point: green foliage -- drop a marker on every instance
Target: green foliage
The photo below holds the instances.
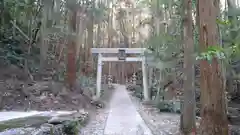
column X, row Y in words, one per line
column 14, row 41
column 10, row 50
column 86, row 81
column 100, row 13
column 21, row 10
column 97, row 9
column 223, row 22
column 137, row 91
column 212, row 52
column 165, row 106
column 165, row 47
column 231, row 47
column 219, row 53
column 162, row 48
column 235, row 50
column 71, row 127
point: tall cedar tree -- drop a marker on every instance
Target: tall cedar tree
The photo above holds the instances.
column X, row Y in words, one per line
column 188, row 118
column 71, row 54
column 213, row 108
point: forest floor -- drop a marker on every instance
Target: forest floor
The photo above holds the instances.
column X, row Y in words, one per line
column 159, row 123
column 21, row 94
column 162, row 123
column 39, row 96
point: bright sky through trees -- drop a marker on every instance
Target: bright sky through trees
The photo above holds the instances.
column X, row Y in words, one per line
column 223, row 3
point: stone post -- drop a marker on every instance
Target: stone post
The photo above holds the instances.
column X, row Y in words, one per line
column 134, row 79
column 109, row 81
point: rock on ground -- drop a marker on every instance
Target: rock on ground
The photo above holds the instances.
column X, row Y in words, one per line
column 60, row 125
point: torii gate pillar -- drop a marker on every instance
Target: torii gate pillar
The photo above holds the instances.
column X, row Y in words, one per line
column 99, row 75
column 145, row 84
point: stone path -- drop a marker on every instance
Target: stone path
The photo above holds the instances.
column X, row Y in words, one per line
column 123, row 117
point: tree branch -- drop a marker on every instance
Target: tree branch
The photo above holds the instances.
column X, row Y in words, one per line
column 25, row 35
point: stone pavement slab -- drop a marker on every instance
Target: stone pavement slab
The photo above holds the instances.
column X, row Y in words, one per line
column 123, row 118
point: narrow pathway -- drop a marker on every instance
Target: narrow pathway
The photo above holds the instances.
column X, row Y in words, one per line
column 123, row 117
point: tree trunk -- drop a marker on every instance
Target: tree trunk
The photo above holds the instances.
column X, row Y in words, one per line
column 90, row 37
column 110, row 39
column 79, row 48
column 44, row 46
column 71, row 53
column 233, row 34
column 57, row 12
column 71, row 65
column 47, row 22
column 98, row 36
column 213, row 108
column 189, row 116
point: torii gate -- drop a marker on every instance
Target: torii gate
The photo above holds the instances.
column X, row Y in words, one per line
column 121, row 58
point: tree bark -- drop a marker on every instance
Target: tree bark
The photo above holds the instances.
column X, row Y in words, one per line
column 213, row 108
column 189, row 115
column 110, row 40
column 43, row 33
column 98, row 36
column 90, row 36
column 71, row 65
column 71, row 53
